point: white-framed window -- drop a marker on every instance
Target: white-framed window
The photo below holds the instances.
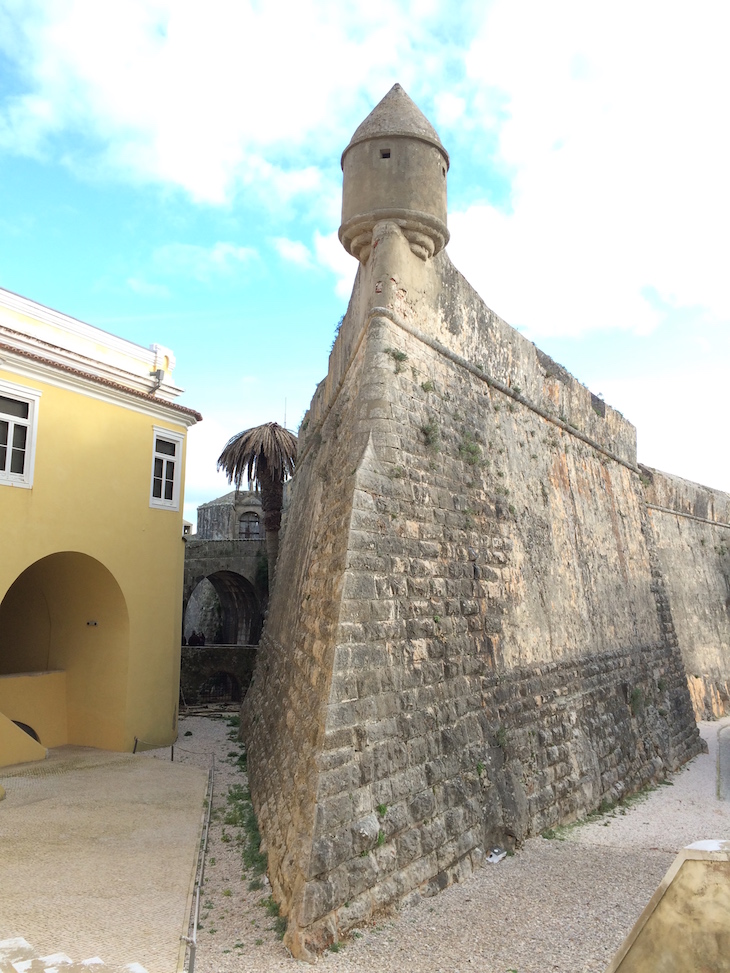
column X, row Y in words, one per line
column 167, row 449
column 18, row 428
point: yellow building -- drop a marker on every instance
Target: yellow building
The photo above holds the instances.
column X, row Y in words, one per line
column 92, row 453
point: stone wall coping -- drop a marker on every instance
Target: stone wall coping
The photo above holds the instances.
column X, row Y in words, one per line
column 682, row 513
column 390, row 315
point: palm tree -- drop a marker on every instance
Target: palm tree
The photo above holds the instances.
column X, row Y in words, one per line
column 266, row 455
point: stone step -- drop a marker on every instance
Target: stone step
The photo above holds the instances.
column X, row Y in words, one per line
column 18, row 956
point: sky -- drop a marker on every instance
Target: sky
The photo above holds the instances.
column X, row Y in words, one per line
column 170, row 172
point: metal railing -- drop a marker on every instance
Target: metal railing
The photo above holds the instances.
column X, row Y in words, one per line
column 192, row 938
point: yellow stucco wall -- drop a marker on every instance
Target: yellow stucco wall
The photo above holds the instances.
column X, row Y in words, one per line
column 37, row 699
column 84, row 545
column 16, row 747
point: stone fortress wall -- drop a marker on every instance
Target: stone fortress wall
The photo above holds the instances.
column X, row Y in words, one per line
column 472, row 635
column 692, row 529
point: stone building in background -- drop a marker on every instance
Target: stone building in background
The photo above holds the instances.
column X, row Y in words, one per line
column 482, row 601
column 236, row 516
column 224, row 598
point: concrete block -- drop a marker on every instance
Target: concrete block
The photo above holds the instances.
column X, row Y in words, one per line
column 686, row 925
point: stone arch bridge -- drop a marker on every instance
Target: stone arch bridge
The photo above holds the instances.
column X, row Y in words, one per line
column 233, row 568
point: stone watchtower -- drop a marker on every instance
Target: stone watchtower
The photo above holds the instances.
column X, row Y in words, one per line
column 469, row 639
column 395, row 169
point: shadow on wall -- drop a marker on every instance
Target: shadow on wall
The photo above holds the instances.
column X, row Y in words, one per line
column 215, row 674
column 66, row 612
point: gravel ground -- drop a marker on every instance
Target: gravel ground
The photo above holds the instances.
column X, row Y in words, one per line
column 564, row 904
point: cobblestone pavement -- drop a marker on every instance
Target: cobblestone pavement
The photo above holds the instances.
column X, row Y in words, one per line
column 97, row 858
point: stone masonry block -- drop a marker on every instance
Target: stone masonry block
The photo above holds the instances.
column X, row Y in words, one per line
column 329, row 852
column 339, row 780
column 318, row 900
column 382, row 730
column 407, row 782
column 355, row 912
column 359, row 585
column 394, row 819
column 362, row 873
column 422, row 807
column 419, row 871
column 365, row 833
column 332, row 813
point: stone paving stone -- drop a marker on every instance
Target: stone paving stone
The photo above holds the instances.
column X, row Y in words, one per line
column 18, row 956
column 97, row 859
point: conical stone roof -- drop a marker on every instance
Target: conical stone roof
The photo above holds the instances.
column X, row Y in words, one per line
column 396, row 115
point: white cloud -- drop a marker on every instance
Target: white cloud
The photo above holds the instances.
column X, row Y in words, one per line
column 205, row 100
column 26, row 123
column 669, row 435
column 146, row 289
column 608, row 123
column 202, row 483
column 618, row 164
column 200, row 262
column 294, row 251
column 449, row 109
column 238, row 403
column 331, row 254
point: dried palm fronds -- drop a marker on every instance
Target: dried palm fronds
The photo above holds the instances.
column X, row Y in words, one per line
column 264, row 453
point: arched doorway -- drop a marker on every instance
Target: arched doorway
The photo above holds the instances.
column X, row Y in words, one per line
column 221, row 687
column 65, row 617
column 226, row 608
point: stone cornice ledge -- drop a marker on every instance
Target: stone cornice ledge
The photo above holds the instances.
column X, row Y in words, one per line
column 682, row 513
column 65, row 376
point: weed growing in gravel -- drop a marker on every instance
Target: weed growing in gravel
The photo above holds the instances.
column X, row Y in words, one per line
column 334, row 947
column 555, row 834
column 606, row 809
column 272, row 907
column 241, row 814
